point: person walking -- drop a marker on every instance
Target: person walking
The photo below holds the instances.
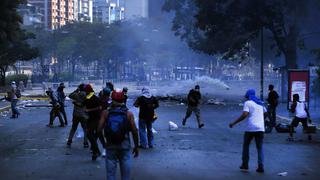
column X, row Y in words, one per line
column 61, row 100
column 193, row 99
column 301, row 115
column 55, row 110
column 272, row 107
column 125, row 91
column 253, row 114
column 146, row 104
column 117, row 123
column 93, row 108
column 79, row 115
column 13, row 95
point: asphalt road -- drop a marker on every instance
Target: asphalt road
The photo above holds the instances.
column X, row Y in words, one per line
column 30, row 150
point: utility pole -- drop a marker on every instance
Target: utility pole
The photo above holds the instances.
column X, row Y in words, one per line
column 261, row 66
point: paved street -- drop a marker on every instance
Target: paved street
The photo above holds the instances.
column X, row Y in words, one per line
column 30, row 150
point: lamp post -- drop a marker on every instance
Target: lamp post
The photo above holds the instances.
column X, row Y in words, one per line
column 261, row 65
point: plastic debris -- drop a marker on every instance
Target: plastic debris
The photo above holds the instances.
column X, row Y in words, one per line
column 79, row 134
column 283, row 174
column 172, row 126
column 216, row 102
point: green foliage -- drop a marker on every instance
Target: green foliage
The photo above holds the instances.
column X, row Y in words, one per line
column 17, row 78
column 14, row 45
column 225, row 27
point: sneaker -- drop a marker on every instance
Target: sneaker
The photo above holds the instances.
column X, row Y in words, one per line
column 50, row 125
column 151, row 146
column 201, row 125
column 244, row 167
column 61, row 125
column 94, row 157
column 69, row 142
column 260, row 169
column 104, row 153
column 183, row 122
column 66, row 123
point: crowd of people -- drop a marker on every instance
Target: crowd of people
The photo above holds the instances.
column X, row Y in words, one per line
column 105, row 118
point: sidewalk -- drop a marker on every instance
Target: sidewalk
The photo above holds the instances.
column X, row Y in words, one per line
column 4, row 106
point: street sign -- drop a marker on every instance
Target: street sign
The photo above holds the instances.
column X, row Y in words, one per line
column 299, row 83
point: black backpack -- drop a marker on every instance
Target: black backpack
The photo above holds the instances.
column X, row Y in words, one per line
column 117, row 125
column 18, row 93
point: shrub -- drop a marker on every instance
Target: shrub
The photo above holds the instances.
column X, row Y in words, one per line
column 17, row 78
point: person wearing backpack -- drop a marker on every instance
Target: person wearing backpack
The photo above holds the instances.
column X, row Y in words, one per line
column 117, row 122
column 301, row 115
column 61, row 100
column 13, row 95
column 146, row 104
column 79, row 115
column 55, row 111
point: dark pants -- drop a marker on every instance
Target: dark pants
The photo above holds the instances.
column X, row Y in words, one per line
column 145, row 139
column 248, row 136
column 55, row 112
column 196, row 111
column 63, row 111
column 272, row 115
column 93, row 136
column 15, row 112
column 295, row 123
column 75, row 122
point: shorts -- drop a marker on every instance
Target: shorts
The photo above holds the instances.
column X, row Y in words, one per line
column 296, row 120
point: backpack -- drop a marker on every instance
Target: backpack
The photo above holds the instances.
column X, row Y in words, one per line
column 116, row 126
column 148, row 106
column 18, row 93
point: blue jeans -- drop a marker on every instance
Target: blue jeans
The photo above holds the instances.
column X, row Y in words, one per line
column 14, row 107
column 113, row 156
column 145, row 139
column 248, row 136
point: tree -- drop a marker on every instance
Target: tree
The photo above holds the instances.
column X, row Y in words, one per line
column 225, row 27
column 14, row 44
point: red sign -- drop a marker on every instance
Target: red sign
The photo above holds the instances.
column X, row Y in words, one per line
column 298, row 84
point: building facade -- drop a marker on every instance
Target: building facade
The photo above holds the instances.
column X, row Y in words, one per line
column 85, row 10
column 53, row 13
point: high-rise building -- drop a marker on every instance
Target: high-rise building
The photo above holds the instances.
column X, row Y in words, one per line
column 116, row 10
column 69, row 10
column 100, row 11
column 55, row 13
column 75, row 10
column 137, row 9
column 85, row 10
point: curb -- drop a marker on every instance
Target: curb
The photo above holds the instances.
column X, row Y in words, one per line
column 5, row 108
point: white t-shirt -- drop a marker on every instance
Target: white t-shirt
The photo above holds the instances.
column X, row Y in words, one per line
column 300, row 110
column 255, row 120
